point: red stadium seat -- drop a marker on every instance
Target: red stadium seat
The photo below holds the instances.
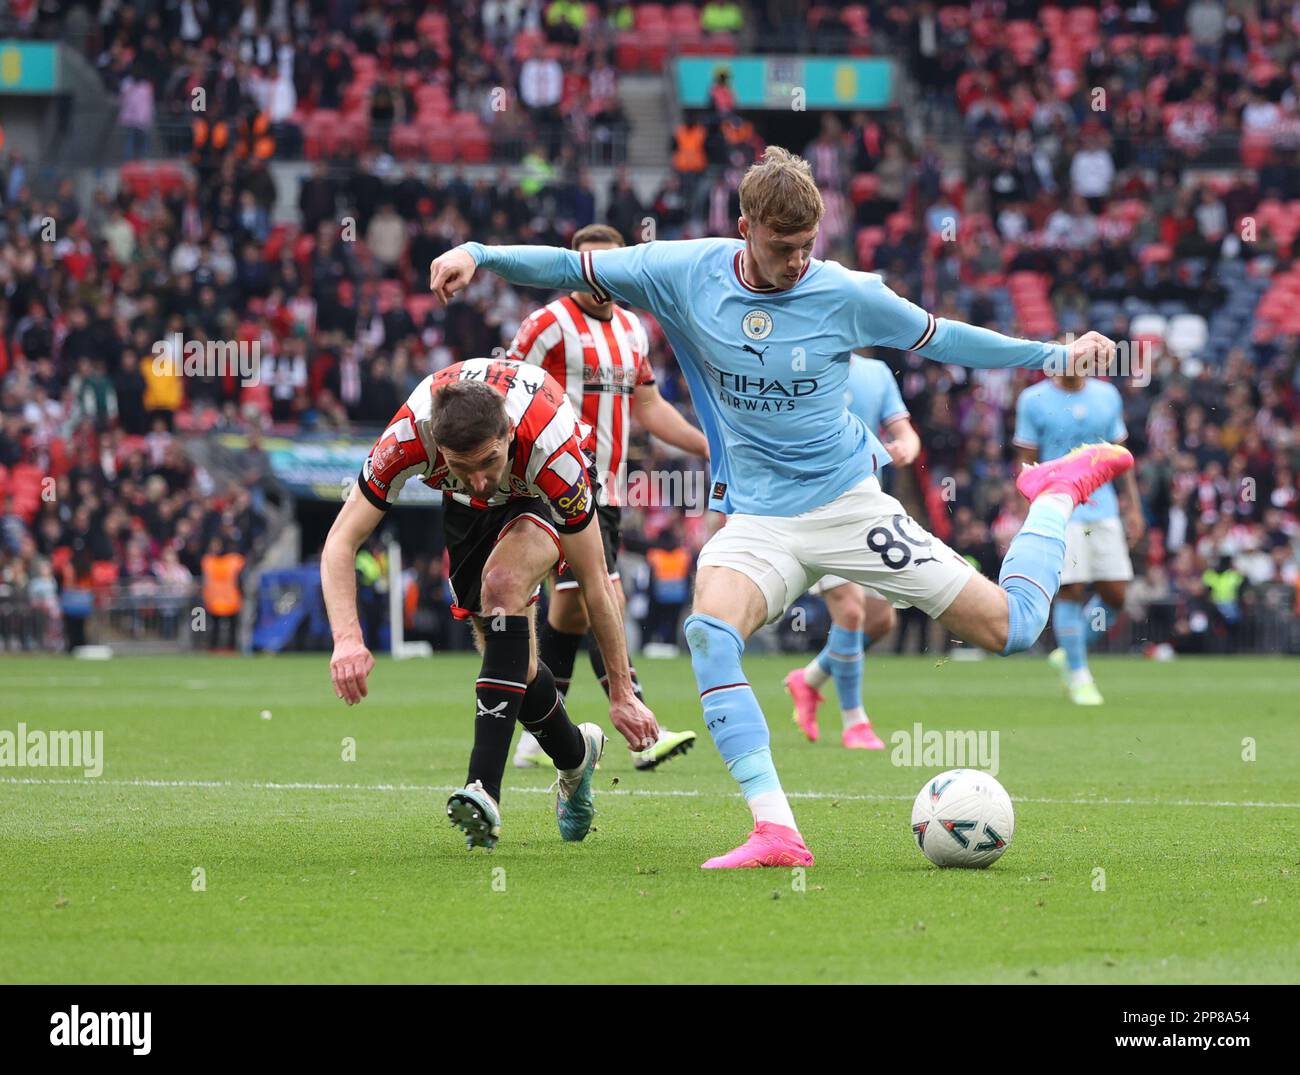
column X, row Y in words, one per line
column 529, row 43
column 655, row 46
column 60, row 557
column 1081, row 19
column 418, row 306
column 404, row 141
column 476, row 150
column 898, row 224
column 431, row 24
column 438, row 146
column 867, row 241
column 650, row 16
column 26, row 483
column 1256, row 150
column 137, row 177
column 684, row 17
column 720, row 44
column 431, row 100
column 865, row 186
column 627, row 51
column 103, row 574
column 1156, row 254
column 1155, row 45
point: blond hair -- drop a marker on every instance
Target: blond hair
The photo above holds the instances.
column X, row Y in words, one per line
column 597, row 233
column 780, row 193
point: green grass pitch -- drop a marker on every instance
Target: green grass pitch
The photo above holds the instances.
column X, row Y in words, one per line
column 320, row 869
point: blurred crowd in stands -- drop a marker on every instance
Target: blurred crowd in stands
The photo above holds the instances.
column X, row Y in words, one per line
column 1130, row 168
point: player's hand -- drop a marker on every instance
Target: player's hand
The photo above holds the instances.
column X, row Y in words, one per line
column 349, row 667
column 902, row 454
column 450, row 272
column 1091, row 353
column 638, row 725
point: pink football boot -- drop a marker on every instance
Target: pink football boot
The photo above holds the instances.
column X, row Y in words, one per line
column 769, row 844
column 806, row 701
column 862, row 736
column 1078, row 474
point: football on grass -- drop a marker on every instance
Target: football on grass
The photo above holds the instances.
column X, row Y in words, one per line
column 963, row 818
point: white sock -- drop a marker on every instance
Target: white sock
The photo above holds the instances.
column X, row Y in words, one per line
column 1081, row 675
column 772, row 806
column 814, row 675
column 1062, row 503
column 850, row 717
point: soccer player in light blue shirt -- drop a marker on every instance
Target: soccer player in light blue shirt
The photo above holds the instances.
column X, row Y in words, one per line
column 763, row 333
column 857, row 618
column 1052, row 417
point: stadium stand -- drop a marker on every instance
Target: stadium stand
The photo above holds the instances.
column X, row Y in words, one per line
column 1090, row 174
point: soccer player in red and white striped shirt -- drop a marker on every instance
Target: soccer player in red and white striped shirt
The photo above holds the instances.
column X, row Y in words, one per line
column 600, row 355
column 501, row 442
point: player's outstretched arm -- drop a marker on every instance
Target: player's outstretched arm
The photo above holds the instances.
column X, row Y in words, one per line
column 529, row 266
column 982, row 348
column 586, row 557
column 638, row 275
column 352, row 661
column 886, row 319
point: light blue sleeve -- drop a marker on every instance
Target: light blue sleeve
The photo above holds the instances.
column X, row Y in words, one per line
column 968, row 345
column 1026, row 434
column 530, row 266
column 885, row 319
column 1118, row 431
column 882, row 318
column 645, row 275
column 891, row 399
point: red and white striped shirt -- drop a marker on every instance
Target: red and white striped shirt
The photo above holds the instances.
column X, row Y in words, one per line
column 599, row 365
column 549, row 456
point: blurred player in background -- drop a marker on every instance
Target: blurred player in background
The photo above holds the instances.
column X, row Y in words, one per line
column 1052, row 417
column 600, row 355
column 501, row 443
column 858, row 616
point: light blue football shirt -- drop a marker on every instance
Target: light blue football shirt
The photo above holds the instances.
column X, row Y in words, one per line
column 767, row 369
column 1055, row 421
column 873, row 394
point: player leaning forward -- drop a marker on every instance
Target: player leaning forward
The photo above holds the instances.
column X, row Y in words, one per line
column 763, row 333
column 501, row 441
column 600, row 355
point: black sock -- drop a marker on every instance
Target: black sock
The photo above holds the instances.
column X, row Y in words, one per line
column 499, row 696
column 558, row 650
column 598, row 666
column 544, row 715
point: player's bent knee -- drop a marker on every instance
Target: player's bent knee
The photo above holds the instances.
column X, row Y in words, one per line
column 849, row 614
column 878, row 620
column 503, row 590
column 981, row 615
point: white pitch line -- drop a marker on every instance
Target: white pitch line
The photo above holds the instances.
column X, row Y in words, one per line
column 657, row 793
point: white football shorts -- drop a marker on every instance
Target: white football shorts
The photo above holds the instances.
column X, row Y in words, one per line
column 1096, row 552
column 861, row 536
